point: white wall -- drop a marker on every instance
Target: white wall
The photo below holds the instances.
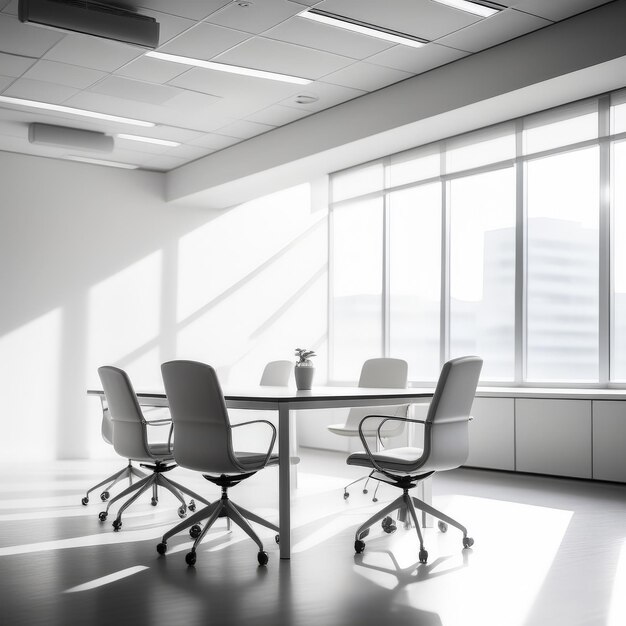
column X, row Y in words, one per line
column 95, row 268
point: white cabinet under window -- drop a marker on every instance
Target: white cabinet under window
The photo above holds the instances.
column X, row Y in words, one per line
column 609, row 440
column 553, row 437
column 492, row 434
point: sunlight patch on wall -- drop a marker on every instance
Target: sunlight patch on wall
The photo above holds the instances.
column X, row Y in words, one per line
column 29, row 371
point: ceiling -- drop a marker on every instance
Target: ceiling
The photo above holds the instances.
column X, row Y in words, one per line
column 206, row 110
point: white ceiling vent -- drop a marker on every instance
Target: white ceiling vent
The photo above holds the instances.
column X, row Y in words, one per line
column 65, row 137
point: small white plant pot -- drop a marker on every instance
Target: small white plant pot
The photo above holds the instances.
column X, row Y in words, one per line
column 304, row 376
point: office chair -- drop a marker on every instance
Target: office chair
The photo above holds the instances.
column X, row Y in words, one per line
column 276, row 374
column 446, row 447
column 385, row 373
column 127, row 472
column 130, row 439
column 204, row 443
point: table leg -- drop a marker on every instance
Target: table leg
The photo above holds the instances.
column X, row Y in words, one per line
column 284, row 482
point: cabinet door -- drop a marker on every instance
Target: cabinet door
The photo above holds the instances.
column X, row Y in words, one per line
column 553, row 437
column 492, row 434
column 609, row 440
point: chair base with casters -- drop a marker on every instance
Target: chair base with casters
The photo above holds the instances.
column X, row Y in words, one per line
column 127, row 472
column 153, row 481
column 406, row 506
column 224, row 507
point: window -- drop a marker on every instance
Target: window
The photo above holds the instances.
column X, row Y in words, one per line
column 618, row 347
column 357, row 250
column 482, row 270
column 562, row 274
column 415, row 278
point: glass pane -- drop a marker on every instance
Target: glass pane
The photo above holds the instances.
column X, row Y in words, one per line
column 560, row 127
column 618, row 347
column 357, row 181
column 357, row 256
column 479, row 149
column 482, row 271
column 562, row 271
column 618, row 118
column 408, row 167
column 415, row 279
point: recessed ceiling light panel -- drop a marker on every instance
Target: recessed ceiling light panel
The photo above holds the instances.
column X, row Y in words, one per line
column 159, row 142
column 125, row 166
column 476, row 8
column 363, row 28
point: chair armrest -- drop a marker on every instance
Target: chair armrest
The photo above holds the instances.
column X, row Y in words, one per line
column 271, row 446
column 163, row 422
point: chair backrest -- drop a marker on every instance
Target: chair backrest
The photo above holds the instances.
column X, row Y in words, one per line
column 129, row 426
column 382, row 373
column 202, row 432
column 276, row 374
column 446, row 436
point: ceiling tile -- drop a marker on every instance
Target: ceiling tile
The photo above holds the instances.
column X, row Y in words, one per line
column 556, row 9
column 5, row 81
column 93, row 52
column 4, row 6
column 256, row 17
column 12, row 65
column 25, row 39
column 214, row 142
column 152, row 70
column 420, row 18
column 192, row 9
column 64, row 74
column 284, row 58
column 366, row 76
column 325, row 37
column 127, row 88
column 243, row 129
column 163, row 162
column 327, row 96
column 204, row 41
column 38, row 90
column 278, row 115
column 494, row 30
column 417, row 60
column 187, row 152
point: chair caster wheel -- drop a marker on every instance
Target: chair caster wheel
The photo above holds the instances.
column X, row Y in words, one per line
column 277, row 538
column 182, row 511
column 374, row 499
column 190, row 558
column 117, row 524
column 359, row 546
column 388, row 525
column 346, row 495
column 443, row 527
column 154, row 501
column 102, row 516
column 192, row 506
column 468, row 542
column 364, row 490
column 162, row 548
column 104, row 496
column 262, row 558
column 423, row 556
column 194, row 531
column 85, row 501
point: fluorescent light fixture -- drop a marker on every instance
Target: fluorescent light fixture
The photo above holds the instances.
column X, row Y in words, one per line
column 124, row 166
column 232, row 69
column 35, row 104
column 477, row 8
column 159, row 142
column 363, row 28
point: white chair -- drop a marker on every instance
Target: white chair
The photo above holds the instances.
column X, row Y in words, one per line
column 204, row 443
column 276, row 374
column 445, row 447
column 127, row 472
column 130, row 440
column 380, row 373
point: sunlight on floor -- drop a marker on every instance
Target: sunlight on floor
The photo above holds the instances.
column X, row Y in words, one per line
column 105, row 580
column 617, row 612
column 503, row 531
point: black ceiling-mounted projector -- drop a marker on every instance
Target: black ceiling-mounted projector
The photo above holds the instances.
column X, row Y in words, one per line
column 92, row 18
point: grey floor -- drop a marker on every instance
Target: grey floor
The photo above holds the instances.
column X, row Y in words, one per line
column 548, row 552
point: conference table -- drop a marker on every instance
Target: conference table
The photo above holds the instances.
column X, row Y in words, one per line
column 286, row 401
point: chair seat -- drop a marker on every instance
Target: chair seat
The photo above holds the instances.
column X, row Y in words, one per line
column 346, row 431
column 255, row 460
column 397, row 459
column 160, row 452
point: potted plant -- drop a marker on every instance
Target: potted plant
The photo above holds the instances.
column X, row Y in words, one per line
column 304, row 368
